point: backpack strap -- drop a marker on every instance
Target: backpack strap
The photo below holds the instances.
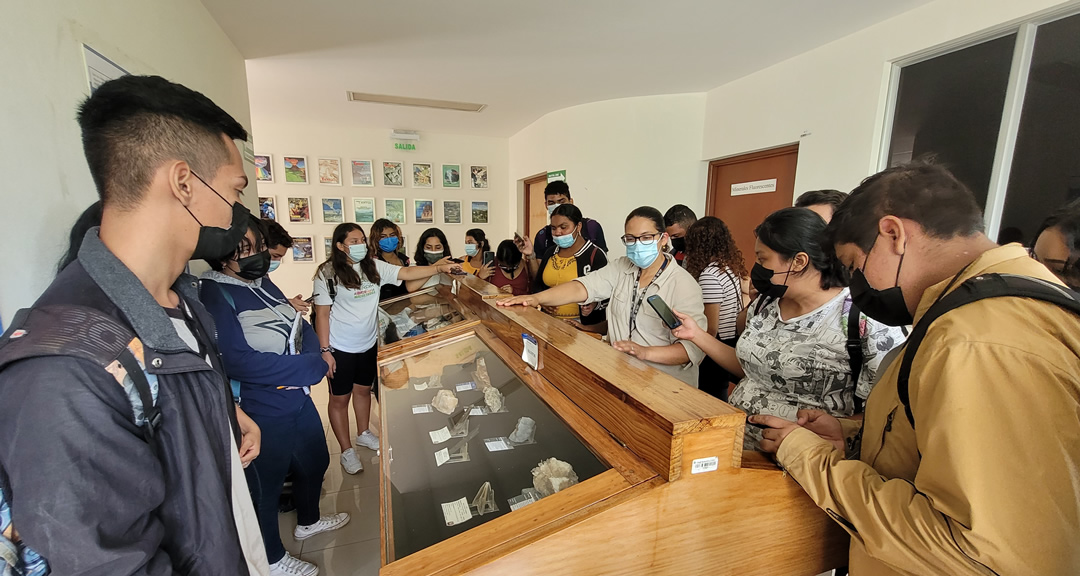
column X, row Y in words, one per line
column 234, row 384
column 974, row 289
column 855, row 354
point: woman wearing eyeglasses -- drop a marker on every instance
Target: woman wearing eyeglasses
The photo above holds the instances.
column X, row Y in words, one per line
column 633, row 326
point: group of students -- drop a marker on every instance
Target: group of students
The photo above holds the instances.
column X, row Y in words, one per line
column 901, row 366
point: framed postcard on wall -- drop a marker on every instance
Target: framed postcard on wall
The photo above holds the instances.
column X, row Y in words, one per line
column 479, row 176
column 479, row 212
column 328, row 247
column 451, row 211
column 302, row 250
column 392, row 174
column 333, row 211
column 299, row 209
column 295, row 169
column 424, row 211
column 362, row 174
column 363, row 210
column 264, row 171
column 267, row 207
column 394, row 210
column 421, row 175
column 451, row 175
column 330, row 171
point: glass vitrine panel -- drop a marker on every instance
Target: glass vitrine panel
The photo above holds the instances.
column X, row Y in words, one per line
column 414, row 314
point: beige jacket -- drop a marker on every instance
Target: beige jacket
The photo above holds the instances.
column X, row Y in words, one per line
column 988, row 482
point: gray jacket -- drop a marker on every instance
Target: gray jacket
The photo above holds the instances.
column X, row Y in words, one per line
column 87, row 491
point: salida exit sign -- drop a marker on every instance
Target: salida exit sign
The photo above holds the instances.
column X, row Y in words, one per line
column 404, row 146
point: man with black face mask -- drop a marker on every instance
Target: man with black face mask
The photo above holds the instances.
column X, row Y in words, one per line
column 120, row 435
column 970, row 449
column 678, row 219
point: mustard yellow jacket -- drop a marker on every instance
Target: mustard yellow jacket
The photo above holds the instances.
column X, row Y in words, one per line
column 988, row 482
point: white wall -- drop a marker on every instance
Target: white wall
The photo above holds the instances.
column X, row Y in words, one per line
column 46, row 184
column 329, row 136
column 838, row 91
column 619, row 155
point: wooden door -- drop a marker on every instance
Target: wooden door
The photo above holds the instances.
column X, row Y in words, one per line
column 535, row 208
column 741, row 191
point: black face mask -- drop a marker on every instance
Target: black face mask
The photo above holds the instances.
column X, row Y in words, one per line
column 761, row 277
column 255, row 266
column 216, row 243
column 886, row 306
column 679, row 244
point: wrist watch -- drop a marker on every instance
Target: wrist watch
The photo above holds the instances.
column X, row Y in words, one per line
column 325, row 349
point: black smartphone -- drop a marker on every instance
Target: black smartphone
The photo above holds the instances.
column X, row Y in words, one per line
column 457, row 260
column 310, row 299
column 665, row 313
column 489, row 258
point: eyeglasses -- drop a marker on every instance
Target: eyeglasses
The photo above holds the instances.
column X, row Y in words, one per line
column 647, row 239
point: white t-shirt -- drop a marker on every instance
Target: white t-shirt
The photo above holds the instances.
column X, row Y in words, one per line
column 353, row 311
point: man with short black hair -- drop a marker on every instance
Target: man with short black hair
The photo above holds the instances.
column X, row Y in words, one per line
column 678, row 220
column 970, row 445
column 555, row 193
column 96, row 487
column 822, row 202
column 279, row 241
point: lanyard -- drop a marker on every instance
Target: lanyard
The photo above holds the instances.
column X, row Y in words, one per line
column 636, row 303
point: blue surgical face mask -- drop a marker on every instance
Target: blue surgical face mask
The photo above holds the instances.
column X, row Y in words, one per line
column 388, row 244
column 643, row 255
column 564, row 241
column 273, row 265
column 358, row 252
column 471, row 249
column 551, row 209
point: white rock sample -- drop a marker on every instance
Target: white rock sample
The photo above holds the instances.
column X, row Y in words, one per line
column 524, row 431
column 493, row 398
column 553, row 475
column 483, row 380
column 445, row 401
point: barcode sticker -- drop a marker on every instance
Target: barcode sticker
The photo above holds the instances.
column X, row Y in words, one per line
column 421, row 409
column 519, row 501
column 710, row 464
column 497, row 444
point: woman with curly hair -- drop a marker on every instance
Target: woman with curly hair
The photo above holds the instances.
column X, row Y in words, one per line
column 714, row 259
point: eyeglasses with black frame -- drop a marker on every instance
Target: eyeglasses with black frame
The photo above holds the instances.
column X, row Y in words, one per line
column 647, row 239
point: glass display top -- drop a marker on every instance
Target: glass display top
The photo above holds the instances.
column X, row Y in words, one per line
column 414, row 314
column 468, row 442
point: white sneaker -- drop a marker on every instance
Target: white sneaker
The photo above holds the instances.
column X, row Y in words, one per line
column 291, row 566
column 368, row 440
column 351, row 462
column 325, row 524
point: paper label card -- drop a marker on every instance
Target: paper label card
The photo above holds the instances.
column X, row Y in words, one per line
column 531, row 352
column 442, row 456
column 456, row 512
column 527, row 497
column 700, row 465
column 439, row 436
column 465, row 386
column 421, row 409
column 498, row 444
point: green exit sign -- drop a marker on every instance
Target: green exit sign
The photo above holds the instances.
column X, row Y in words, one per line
column 404, row 146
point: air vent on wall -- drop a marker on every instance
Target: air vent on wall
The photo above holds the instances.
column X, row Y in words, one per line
column 420, row 102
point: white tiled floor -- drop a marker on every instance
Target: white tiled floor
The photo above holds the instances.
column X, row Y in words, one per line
column 354, row 549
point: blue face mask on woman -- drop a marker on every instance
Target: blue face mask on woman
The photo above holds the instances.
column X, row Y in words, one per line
column 358, row 252
column 643, row 255
column 388, row 244
column 564, row 241
column 471, row 249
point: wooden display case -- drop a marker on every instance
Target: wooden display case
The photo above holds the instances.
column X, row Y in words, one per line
column 671, row 490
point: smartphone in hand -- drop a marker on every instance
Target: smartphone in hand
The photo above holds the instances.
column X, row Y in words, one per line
column 663, row 311
column 489, row 258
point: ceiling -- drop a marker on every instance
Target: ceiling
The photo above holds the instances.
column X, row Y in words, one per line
column 523, row 59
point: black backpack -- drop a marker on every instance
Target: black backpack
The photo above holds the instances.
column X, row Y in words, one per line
column 975, row 289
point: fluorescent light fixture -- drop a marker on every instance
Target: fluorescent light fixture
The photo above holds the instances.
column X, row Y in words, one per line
column 405, row 135
column 419, row 102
